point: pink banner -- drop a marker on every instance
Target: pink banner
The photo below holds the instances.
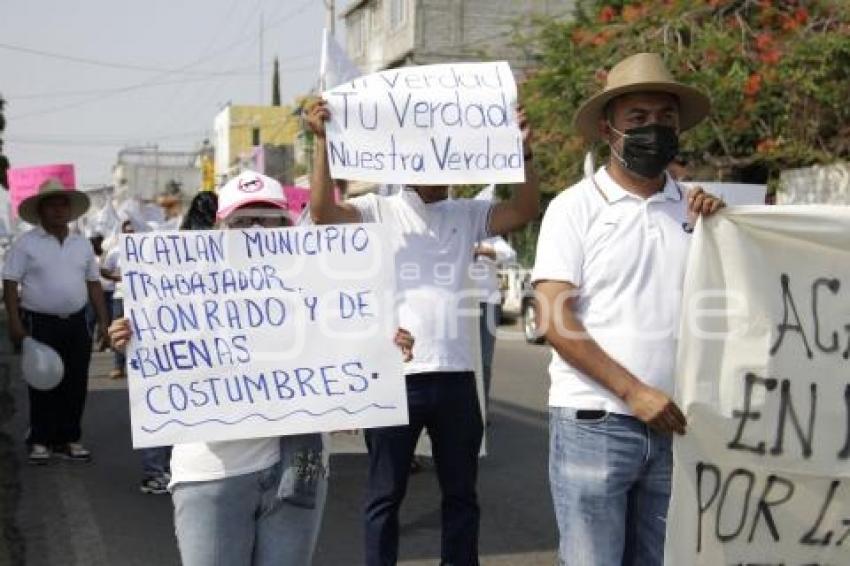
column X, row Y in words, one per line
column 24, row 181
column 298, row 198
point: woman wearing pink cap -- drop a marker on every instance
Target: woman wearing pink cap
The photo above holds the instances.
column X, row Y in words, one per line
column 255, row 501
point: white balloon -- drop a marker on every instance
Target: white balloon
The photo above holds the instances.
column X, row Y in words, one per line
column 41, row 366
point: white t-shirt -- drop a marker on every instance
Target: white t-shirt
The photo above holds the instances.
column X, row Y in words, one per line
column 484, row 271
column 433, row 249
column 206, row 461
column 109, row 262
column 627, row 257
column 52, row 275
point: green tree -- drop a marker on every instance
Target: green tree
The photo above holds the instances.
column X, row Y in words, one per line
column 777, row 71
column 4, row 162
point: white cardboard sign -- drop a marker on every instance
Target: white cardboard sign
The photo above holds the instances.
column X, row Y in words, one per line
column 260, row 332
column 434, row 125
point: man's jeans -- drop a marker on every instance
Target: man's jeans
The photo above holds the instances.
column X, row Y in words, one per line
column 446, row 403
column 610, row 481
column 240, row 521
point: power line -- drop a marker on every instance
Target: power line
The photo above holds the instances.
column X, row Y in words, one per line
column 125, row 66
column 163, row 73
column 64, row 93
column 107, row 94
column 37, row 139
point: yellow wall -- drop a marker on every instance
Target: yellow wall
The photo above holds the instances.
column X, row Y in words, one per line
column 276, row 123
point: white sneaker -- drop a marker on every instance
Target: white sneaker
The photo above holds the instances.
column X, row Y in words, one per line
column 39, row 454
column 74, row 451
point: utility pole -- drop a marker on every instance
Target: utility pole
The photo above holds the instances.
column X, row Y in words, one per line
column 156, row 169
column 261, row 59
column 330, row 17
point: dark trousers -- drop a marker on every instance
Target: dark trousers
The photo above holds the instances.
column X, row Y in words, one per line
column 119, row 358
column 55, row 415
column 446, row 404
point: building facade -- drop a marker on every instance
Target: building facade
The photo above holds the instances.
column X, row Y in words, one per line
column 146, row 172
column 239, row 130
column 383, row 34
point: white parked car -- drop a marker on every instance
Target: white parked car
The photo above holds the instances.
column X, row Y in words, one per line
column 518, row 299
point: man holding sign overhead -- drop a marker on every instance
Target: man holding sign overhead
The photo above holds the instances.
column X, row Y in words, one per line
column 427, row 127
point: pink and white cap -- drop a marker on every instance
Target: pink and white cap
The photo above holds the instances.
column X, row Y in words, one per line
column 250, row 187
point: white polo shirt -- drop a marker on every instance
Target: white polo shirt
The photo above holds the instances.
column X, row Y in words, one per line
column 626, row 255
column 52, row 275
column 433, row 249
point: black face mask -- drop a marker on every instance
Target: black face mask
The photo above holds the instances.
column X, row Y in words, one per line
column 647, row 150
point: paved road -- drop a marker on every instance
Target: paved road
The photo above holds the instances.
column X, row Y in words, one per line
column 94, row 515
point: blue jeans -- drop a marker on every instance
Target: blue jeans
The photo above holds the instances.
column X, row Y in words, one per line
column 156, row 461
column 446, row 403
column 241, row 521
column 610, row 481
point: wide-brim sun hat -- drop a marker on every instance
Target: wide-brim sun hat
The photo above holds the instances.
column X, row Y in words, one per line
column 28, row 209
column 643, row 72
column 250, row 187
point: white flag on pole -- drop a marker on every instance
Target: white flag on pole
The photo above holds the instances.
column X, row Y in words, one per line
column 335, row 67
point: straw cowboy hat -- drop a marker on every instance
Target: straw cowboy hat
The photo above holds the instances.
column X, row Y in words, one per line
column 643, row 72
column 28, row 210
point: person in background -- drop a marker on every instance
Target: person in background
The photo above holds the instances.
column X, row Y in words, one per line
column 170, row 200
column 489, row 255
column 258, row 501
column 48, row 277
column 97, row 241
column 201, row 212
column 111, row 275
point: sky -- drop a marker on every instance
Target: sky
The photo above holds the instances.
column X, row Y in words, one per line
column 84, row 79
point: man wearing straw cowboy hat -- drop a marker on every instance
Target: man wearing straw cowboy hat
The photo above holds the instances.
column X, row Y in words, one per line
column 608, row 275
column 57, row 275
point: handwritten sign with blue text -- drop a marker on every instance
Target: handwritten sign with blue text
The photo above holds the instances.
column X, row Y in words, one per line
column 762, row 476
column 260, row 332
column 434, row 124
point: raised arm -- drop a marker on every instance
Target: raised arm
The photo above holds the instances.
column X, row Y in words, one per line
column 323, row 208
column 524, row 205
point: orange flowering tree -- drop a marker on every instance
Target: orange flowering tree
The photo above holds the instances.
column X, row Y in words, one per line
column 777, row 72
